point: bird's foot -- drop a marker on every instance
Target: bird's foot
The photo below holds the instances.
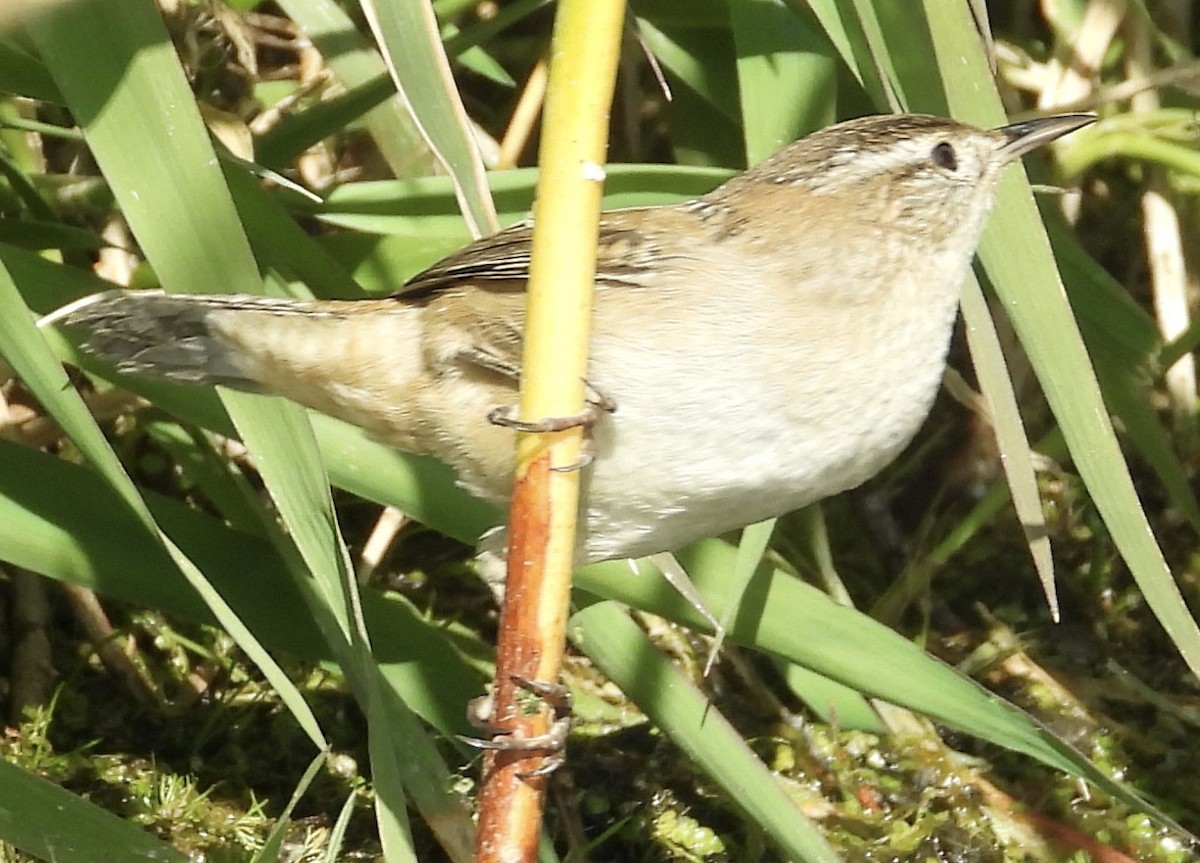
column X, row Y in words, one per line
column 481, row 713
column 596, row 406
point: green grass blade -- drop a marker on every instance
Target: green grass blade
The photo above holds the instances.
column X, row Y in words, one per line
column 751, row 548
column 279, row 146
column 1122, row 340
column 704, row 112
column 786, row 617
column 1029, row 287
column 628, row 658
column 834, row 703
column 845, row 31
column 337, row 836
column 410, row 41
column 23, row 75
column 99, row 544
column 356, row 63
column 132, row 100
column 47, row 822
column 271, row 848
column 997, row 387
column 785, row 75
column 25, row 349
column 483, row 30
column 128, row 94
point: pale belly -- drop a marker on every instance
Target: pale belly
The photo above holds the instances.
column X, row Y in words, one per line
column 679, row 463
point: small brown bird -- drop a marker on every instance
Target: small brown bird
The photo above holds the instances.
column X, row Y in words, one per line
column 771, row 343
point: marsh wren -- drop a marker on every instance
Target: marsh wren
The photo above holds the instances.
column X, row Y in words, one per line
column 769, row 344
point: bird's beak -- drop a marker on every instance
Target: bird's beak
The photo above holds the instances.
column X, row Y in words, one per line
column 1031, row 134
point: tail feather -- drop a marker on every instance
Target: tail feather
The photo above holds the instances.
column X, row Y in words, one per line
column 358, row 360
column 165, row 336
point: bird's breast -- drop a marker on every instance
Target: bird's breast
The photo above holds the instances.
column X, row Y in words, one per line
column 728, row 415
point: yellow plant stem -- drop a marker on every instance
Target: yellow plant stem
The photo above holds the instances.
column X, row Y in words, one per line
column 545, row 503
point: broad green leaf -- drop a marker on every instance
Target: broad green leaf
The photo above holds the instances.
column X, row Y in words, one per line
column 24, row 75
column 43, row 820
column 1030, row 290
column 684, row 713
column 786, row 617
column 408, row 37
column 99, row 544
column 357, row 63
column 786, row 75
column 130, row 96
column 1010, row 433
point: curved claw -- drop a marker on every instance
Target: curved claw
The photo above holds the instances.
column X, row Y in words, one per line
column 481, row 712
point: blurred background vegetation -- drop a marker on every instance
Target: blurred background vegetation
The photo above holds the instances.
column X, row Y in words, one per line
column 179, row 666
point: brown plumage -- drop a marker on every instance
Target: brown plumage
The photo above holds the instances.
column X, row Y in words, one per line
column 771, row 343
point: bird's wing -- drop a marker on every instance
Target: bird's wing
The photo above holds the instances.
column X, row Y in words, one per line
column 500, row 257
column 479, row 291
column 480, row 325
column 504, row 258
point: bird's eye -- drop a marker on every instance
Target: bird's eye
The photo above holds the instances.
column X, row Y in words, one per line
column 944, row 157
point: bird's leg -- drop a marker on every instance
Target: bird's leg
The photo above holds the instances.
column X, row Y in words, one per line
column 596, row 405
column 481, row 713
column 505, row 416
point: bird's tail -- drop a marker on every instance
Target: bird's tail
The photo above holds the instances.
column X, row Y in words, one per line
column 177, row 337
